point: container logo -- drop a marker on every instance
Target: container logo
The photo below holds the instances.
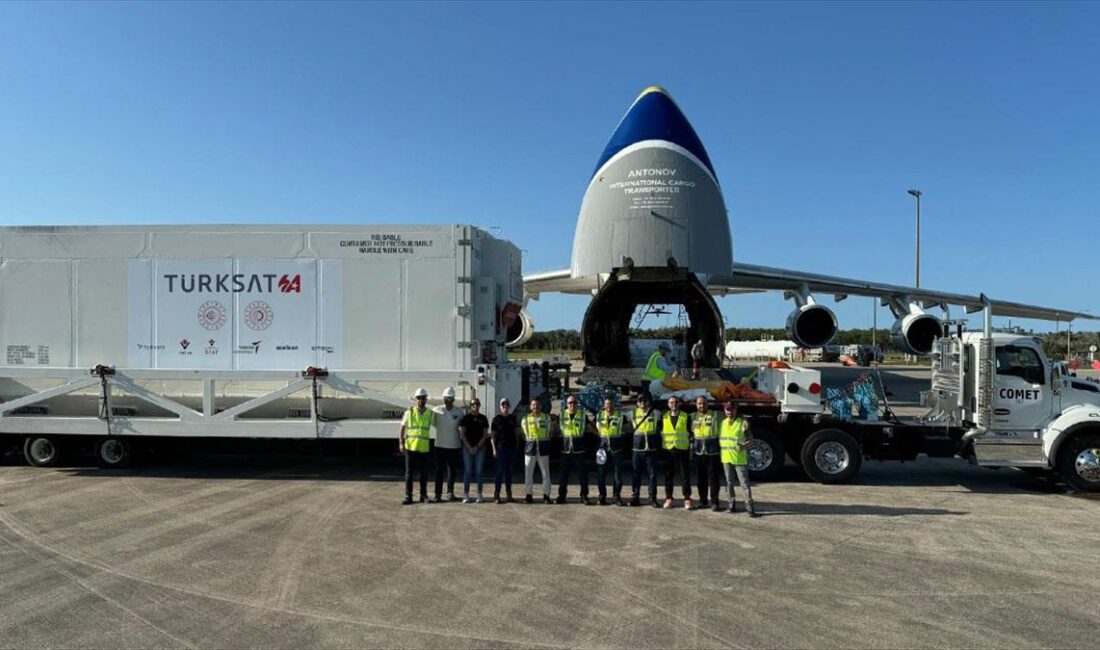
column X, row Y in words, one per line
column 258, row 315
column 212, row 315
column 288, row 284
column 233, row 282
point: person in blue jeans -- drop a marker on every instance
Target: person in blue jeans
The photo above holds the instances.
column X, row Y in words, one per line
column 647, row 444
column 473, row 428
column 611, row 427
column 504, row 440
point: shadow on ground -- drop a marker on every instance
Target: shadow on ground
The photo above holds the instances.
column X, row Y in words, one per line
column 776, row 508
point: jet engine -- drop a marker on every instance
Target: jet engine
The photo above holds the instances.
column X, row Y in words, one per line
column 812, row 325
column 915, row 332
column 521, row 330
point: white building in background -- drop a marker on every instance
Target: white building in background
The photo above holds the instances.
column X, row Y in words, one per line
column 757, row 350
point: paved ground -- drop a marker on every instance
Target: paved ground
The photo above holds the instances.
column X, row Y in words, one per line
column 295, row 551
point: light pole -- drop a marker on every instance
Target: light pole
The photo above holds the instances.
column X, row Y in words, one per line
column 916, row 193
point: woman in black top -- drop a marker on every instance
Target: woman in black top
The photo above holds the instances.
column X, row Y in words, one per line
column 473, row 429
column 505, row 439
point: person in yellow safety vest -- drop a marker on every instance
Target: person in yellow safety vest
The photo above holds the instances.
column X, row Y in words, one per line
column 414, row 441
column 658, row 367
column 733, row 438
column 574, row 424
column 647, row 444
column 704, row 434
column 610, row 425
column 536, row 432
column 675, row 445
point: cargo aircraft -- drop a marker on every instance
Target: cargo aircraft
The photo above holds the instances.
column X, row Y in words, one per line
column 653, row 229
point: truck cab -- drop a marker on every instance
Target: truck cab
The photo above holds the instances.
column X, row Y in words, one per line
column 1020, row 409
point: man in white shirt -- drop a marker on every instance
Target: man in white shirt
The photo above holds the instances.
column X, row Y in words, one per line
column 448, row 445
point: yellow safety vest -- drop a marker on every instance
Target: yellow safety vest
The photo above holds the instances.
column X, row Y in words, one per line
column 536, row 428
column 706, row 437
column 645, row 429
column 642, row 424
column 609, row 426
column 572, row 431
column 418, row 430
column 653, row 371
column 572, row 426
column 732, row 433
column 675, row 435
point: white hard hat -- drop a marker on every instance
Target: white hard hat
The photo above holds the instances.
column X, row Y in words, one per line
column 421, row 392
column 448, row 393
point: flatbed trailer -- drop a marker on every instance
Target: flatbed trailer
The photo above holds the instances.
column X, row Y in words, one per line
column 118, row 334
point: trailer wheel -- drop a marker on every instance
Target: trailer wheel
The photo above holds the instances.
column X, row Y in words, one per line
column 766, row 454
column 1079, row 462
column 112, row 452
column 42, row 451
column 831, row 456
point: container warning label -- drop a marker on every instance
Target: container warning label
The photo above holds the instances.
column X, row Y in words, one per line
column 26, row 355
column 389, row 244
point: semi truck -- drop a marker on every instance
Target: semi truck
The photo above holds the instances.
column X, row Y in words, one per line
column 994, row 399
column 116, row 334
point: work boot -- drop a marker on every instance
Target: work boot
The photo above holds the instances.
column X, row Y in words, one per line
column 717, row 507
column 602, row 501
column 688, row 504
column 619, row 501
column 546, row 498
column 733, row 506
column 635, row 502
column 438, row 499
column 653, row 503
column 510, row 499
column 586, row 501
column 466, row 499
column 668, row 504
column 423, row 498
column 479, row 499
column 752, row 509
column 451, row 496
column 560, row 500
column 496, row 496
column 408, row 501
column 529, row 499
column 704, row 503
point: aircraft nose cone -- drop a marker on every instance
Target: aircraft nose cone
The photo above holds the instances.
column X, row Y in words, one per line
column 654, row 116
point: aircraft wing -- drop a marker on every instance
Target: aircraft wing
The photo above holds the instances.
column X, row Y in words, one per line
column 751, row 277
column 560, row 281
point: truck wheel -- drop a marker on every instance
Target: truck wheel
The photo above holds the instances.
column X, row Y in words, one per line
column 831, row 456
column 112, row 452
column 42, row 451
column 1079, row 462
column 765, row 454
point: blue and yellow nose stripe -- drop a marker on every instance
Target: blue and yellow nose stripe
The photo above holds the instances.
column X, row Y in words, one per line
column 654, row 116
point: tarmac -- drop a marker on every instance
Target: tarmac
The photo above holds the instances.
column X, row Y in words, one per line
column 289, row 551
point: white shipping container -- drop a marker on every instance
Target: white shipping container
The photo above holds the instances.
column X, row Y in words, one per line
column 209, row 318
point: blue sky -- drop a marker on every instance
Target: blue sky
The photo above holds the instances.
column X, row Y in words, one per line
column 817, row 117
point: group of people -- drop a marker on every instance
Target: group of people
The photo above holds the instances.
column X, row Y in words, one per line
column 672, row 440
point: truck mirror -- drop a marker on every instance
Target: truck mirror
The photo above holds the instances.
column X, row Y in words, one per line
column 1056, row 379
